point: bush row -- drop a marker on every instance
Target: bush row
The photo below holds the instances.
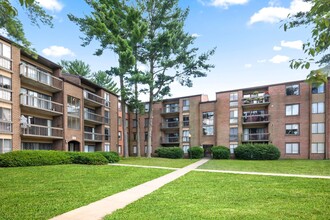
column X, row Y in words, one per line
column 43, row 157
column 257, row 152
column 169, row 152
column 220, row 152
column 196, row 152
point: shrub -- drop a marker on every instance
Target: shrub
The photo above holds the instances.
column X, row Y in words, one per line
column 220, row 152
column 257, row 152
column 33, row 158
column 196, row 152
column 112, row 157
column 169, row 152
column 88, row 158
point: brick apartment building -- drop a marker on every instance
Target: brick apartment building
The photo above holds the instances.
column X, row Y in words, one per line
column 41, row 108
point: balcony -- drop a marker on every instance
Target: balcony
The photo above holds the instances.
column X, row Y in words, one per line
column 258, row 100
column 92, row 99
column 171, row 110
column 41, row 106
column 5, row 94
column 170, row 140
column 170, row 125
column 40, row 79
column 42, row 131
column 257, row 137
column 95, row 137
column 93, row 118
column 6, row 126
column 256, row 119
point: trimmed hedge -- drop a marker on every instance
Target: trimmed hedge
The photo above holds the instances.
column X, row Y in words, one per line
column 34, row 158
column 88, row 158
column 196, row 152
column 257, row 152
column 169, row 152
column 111, row 156
column 220, row 152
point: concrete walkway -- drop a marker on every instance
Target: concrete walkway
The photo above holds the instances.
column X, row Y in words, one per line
column 103, row 207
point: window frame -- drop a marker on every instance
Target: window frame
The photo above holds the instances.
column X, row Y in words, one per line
column 292, row 124
column 318, row 148
column 291, row 152
column 317, row 104
column 291, row 86
column 319, row 130
column 292, row 105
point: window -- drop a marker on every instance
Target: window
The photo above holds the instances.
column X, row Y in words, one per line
column 5, row 120
column 146, row 149
column 119, row 149
column 119, row 135
column 134, row 136
column 292, row 148
column 233, row 134
column 292, row 129
column 232, row 147
column 73, row 108
column 106, row 99
column 169, row 108
column 233, row 98
column 134, row 123
column 146, row 122
column 146, row 107
column 186, row 120
column 145, row 136
column 73, row 123
column 5, row 145
column 318, row 128
column 107, row 147
column 317, row 107
column 119, row 121
column 233, row 116
column 134, row 149
column 5, row 56
column 185, row 136
column 185, row 148
column 119, row 106
column 318, row 148
column 292, row 110
column 292, row 90
column 5, row 85
column 208, row 122
column 106, row 117
column 107, row 134
column 317, row 89
column 185, row 105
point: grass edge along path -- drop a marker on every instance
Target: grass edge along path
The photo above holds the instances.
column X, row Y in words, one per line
column 46, row 191
column 157, row 162
column 204, row 195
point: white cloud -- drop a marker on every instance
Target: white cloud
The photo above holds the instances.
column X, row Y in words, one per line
column 273, row 14
column 248, row 66
column 223, row 3
column 53, row 5
column 57, row 51
column 261, row 61
column 196, row 35
column 298, row 44
column 277, row 48
column 279, row 59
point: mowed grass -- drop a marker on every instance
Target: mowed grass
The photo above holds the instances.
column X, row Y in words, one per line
column 310, row 167
column 156, row 161
column 47, row 191
column 202, row 195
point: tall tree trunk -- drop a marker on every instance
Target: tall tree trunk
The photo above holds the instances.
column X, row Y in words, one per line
column 123, row 117
column 151, row 116
column 137, row 116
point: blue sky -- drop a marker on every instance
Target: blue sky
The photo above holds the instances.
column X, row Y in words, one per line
column 252, row 48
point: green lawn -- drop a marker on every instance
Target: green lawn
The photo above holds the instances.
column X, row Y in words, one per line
column 156, row 161
column 202, row 195
column 312, row 167
column 47, row 191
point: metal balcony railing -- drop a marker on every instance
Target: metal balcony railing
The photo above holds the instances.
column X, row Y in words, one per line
column 42, row 131
column 6, row 126
column 255, row 118
column 256, row 100
column 174, row 109
column 255, row 137
column 40, row 76
column 39, row 103
column 170, row 139
column 93, row 117
column 93, row 97
column 90, row 136
column 170, row 124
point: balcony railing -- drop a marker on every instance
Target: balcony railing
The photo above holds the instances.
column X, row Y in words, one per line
column 174, row 124
column 256, row 100
column 93, row 97
column 255, row 137
column 42, row 131
column 5, row 126
column 33, row 73
column 39, row 103
column 170, row 109
column 5, row 63
column 90, row 136
column 169, row 140
column 5, row 94
column 261, row 118
column 93, row 117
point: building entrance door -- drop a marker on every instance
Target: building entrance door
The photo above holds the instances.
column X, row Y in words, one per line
column 74, row 146
column 207, row 150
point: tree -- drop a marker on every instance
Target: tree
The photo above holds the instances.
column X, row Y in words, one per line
column 101, row 78
column 318, row 46
column 9, row 21
column 114, row 24
column 76, row 67
column 168, row 52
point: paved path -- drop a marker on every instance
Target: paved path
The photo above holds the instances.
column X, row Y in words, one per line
column 103, row 207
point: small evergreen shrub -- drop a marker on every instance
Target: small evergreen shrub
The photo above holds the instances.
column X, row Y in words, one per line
column 196, row 152
column 169, row 152
column 220, row 152
column 88, row 158
column 257, row 152
column 33, row 158
column 112, row 157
